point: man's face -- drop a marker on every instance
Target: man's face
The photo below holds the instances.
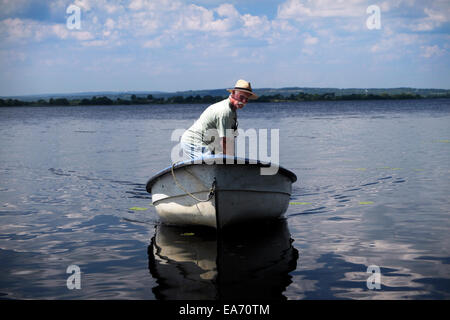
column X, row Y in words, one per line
column 241, row 98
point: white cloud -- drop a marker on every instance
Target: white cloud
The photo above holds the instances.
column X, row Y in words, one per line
column 154, row 5
column 149, row 18
column 423, row 26
column 16, row 28
column 63, row 33
column 95, row 43
column 154, row 43
column 158, row 23
column 309, row 40
column 112, row 8
column 293, row 9
column 197, row 18
column 109, row 24
column 348, row 16
column 395, row 4
column 301, row 10
column 60, row 31
column 11, row 7
column 81, row 35
column 227, row 10
column 136, row 4
column 397, row 41
column 85, row 5
column 254, row 26
column 430, row 51
column 436, row 14
column 144, row 21
column 283, row 25
column 138, row 24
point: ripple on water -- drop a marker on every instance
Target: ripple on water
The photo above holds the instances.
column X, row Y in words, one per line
column 309, row 211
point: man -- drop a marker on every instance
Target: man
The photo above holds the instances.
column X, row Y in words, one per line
column 215, row 130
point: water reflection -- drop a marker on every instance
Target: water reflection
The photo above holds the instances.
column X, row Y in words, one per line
column 249, row 262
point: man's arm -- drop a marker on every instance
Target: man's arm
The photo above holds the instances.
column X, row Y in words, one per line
column 227, row 145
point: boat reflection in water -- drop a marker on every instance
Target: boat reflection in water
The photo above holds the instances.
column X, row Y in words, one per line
column 248, row 262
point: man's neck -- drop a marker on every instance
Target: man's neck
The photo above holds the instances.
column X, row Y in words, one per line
column 231, row 104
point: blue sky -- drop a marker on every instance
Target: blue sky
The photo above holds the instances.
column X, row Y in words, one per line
column 172, row 45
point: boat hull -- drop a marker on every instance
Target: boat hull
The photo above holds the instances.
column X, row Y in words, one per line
column 241, row 193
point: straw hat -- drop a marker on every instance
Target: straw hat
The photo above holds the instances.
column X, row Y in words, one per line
column 244, row 86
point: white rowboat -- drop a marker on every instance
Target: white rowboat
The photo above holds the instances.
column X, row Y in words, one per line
column 219, row 191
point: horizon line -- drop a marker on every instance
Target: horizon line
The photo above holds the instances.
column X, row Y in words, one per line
column 188, row 90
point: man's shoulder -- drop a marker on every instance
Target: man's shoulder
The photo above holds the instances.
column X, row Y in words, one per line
column 221, row 103
column 222, row 107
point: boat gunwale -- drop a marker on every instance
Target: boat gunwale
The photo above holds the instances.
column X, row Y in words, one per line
column 236, row 161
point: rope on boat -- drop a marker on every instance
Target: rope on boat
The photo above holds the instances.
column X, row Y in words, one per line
column 211, row 190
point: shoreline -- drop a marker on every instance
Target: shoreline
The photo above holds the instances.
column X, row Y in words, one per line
column 150, row 100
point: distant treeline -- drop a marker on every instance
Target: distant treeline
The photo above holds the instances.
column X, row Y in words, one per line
column 208, row 99
column 354, row 96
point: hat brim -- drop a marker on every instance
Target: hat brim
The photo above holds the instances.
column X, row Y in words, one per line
column 253, row 96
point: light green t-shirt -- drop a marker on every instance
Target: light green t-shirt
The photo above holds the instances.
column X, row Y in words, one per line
column 213, row 122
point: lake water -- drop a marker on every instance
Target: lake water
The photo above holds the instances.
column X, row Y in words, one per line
column 373, row 190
